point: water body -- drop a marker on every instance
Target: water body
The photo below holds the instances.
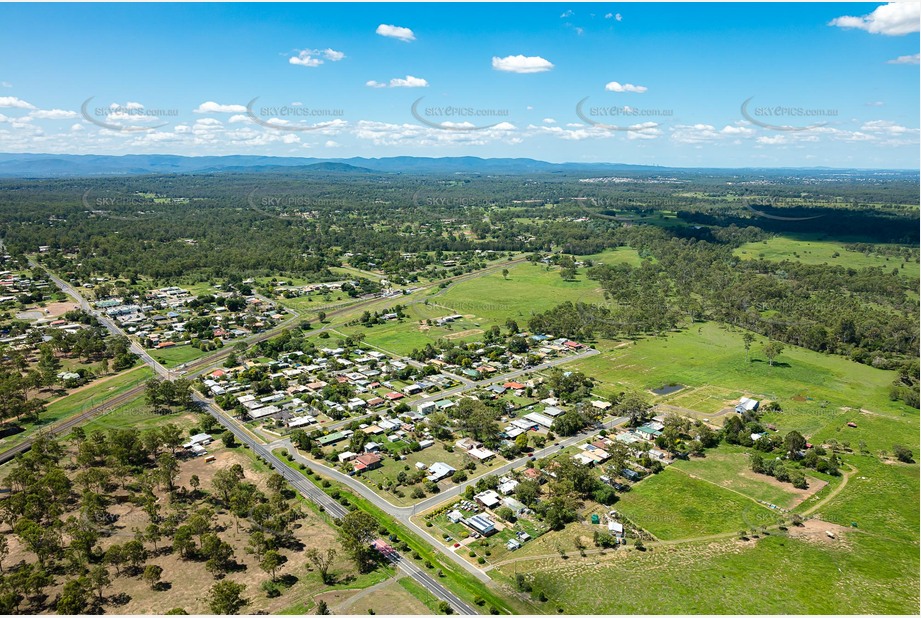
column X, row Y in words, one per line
column 668, row 390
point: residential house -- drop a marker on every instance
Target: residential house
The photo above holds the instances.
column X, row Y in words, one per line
column 481, row 524
column 440, row 470
column 746, row 405
column 489, row 499
column 368, row 461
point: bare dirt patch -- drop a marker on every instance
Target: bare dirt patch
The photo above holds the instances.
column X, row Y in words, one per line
column 51, row 310
column 816, row 531
column 815, row 486
column 464, row 333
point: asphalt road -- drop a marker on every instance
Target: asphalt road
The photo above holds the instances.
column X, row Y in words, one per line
column 330, row 506
column 404, row 514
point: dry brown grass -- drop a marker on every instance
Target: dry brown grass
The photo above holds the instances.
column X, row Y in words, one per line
column 187, row 581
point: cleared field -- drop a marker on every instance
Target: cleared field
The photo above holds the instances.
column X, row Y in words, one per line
column 529, row 289
column 672, row 505
column 173, row 357
column 882, row 499
column 822, row 252
column 401, row 337
column 391, row 597
column 813, row 389
column 728, row 467
column 618, row 255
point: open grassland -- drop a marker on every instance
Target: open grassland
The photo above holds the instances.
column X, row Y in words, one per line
column 870, row 568
column 401, row 337
column 809, row 251
column 775, row 575
column 881, row 498
column 672, row 505
column 813, row 389
column 529, row 289
column 388, row 597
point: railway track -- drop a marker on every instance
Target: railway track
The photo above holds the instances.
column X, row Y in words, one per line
column 195, row 368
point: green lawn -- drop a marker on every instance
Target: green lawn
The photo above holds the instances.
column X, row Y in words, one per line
column 82, row 400
column 173, row 357
column 672, row 505
column 810, row 251
column 882, row 499
column 416, row 589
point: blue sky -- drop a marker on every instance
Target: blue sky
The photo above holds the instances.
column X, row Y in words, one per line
column 827, row 84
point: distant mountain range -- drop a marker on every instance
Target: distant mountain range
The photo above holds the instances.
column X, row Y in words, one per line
column 50, row 166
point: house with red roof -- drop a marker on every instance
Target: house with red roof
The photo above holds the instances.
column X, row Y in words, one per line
column 368, row 461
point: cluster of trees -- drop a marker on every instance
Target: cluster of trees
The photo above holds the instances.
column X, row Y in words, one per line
column 167, row 395
column 59, row 508
column 571, row 484
column 866, row 314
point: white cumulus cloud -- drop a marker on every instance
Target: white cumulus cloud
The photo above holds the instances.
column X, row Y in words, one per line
column 399, row 82
column 53, row 114
column 894, row 18
column 315, row 57
column 211, row 107
column 618, row 87
column 912, row 59
column 396, row 32
column 15, row 102
column 521, row 64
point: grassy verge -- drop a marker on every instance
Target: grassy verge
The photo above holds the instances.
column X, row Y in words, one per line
column 426, row 597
